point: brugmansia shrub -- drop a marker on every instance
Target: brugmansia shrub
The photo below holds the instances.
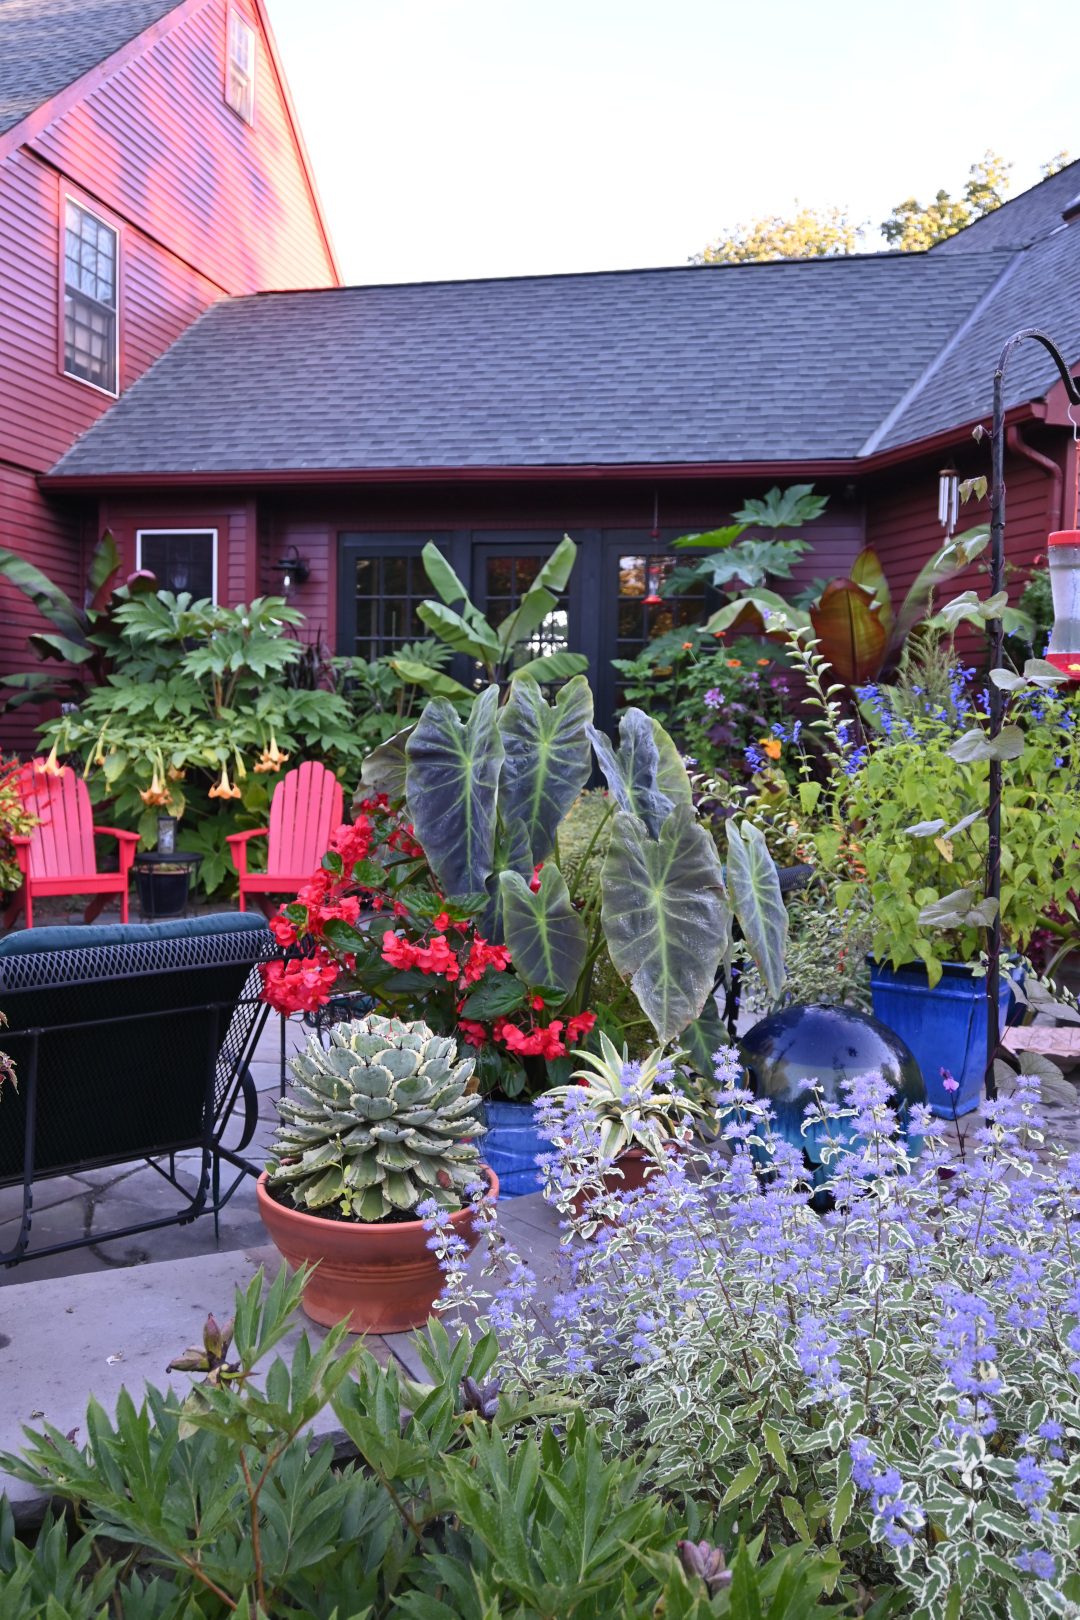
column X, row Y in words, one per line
column 379, row 1122
column 898, row 1379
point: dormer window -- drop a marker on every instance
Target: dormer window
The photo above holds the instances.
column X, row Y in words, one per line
column 90, row 261
column 240, row 68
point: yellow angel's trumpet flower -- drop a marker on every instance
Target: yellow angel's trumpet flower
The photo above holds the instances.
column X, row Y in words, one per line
column 224, row 789
column 51, row 766
column 272, row 758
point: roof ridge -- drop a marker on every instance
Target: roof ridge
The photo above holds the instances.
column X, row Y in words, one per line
column 902, row 404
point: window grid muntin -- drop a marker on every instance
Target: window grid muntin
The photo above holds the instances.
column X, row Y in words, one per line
column 91, row 252
column 240, row 68
column 189, row 535
column 511, row 576
column 389, row 588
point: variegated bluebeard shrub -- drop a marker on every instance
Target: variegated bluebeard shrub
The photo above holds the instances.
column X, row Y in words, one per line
column 897, row 1378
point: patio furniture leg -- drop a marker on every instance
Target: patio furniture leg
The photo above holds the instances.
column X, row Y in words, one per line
column 94, row 908
column 30, row 1082
column 18, row 904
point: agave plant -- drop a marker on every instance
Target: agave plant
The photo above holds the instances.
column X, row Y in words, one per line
column 636, row 1103
column 378, row 1122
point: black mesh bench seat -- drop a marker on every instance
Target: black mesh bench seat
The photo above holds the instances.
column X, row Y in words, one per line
column 130, row 1042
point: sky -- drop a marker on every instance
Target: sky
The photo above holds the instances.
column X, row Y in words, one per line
column 465, row 138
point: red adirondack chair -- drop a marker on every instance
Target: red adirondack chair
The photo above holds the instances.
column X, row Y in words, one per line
column 305, row 810
column 58, row 856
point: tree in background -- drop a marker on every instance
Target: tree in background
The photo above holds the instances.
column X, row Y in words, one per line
column 826, row 233
column 814, row 233
column 911, row 228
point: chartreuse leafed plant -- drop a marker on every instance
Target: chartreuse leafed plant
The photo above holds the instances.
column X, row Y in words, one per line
column 463, row 1501
column 894, row 1384
column 626, row 1103
column 377, row 1122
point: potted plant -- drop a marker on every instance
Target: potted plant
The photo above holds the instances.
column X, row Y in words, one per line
column 380, row 1123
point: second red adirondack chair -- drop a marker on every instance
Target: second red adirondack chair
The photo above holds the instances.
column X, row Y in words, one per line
column 58, row 856
column 305, row 810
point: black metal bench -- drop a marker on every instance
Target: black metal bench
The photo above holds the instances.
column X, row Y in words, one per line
column 130, row 1042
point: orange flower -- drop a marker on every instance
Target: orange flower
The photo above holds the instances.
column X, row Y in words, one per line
column 764, row 661
column 222, row 789
column 272, row 758
column 734, row 663
column 771, row 745
column 688, row 646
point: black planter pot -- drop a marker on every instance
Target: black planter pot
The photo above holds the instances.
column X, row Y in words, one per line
column 831, row 1045
column 162, row 894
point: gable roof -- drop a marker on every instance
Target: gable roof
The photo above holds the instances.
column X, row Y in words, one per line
column 1022, row 220
column 45, row 45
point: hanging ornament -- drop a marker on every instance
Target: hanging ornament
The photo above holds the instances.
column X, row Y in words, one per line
column 654, row 599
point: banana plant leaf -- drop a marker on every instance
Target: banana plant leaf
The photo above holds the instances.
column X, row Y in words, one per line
column 671, row 777
column 548, row 760
column 767, row 603
column 513, row 853
column 555, row 573
column 758, row 903
column 533, row 609
column 450, row 788
column 849, row 631
column 665, row 915
column 51, row 602
column 383, row 771
column 551, row 667
column 633, row 774
column 867, row 571
column 431, row 680
column 473, row 636
column 442, row 576
column 104, row 563
column 47, row 645
column 545, row 935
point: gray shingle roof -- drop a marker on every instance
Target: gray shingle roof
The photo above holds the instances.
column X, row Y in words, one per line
column 779, row 361
column 1031, row 215
column 45, row 45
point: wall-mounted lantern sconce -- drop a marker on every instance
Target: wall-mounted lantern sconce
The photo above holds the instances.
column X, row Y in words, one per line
column 295, row 569
column 948, row 500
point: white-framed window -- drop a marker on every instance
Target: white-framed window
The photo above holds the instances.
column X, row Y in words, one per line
column 181, row 560
column 240, row 67
column 91, row 265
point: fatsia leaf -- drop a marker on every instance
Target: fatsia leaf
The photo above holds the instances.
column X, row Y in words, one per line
column 715, row 539
column 450, row 789
column 665, row 915
column 850, row 631
column 795, row 506
column 758, row 903
column 867, row 571
column 633, row 773
column 550, row 667
column 548, row 760
column 545, row 935
column 671, row 777
column 383, row 770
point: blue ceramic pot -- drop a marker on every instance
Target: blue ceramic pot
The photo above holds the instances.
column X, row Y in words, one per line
column 944, row 1027
column 511, row 1147
column 829, row 1044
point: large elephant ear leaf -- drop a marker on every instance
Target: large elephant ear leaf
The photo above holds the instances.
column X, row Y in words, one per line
column 633, row 774
column 513, row 853
column 665, row 914
column 547, row 756
column 545, row 935
column 703, row 1038
column 383, row 770
column 759, row 905
column 451, row 788
column 671, row 777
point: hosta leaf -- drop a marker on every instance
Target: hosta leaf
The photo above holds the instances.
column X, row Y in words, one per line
column 547, row 759
column 758, row 903
column 545, row 935
column 665, row 915
column 633, row 774
column 383, row 771
column 451, row 786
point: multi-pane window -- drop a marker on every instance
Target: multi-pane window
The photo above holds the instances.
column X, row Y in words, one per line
column 180, row 560
column 90, row 262
column 642, row 619
column 240, row 68
column 506, row 581
column 388, row 592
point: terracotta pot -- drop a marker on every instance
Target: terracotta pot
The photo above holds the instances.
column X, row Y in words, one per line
column 634, row 1164
column 385, row 1279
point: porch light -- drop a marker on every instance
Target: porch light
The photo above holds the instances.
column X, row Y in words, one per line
column 948, row 501
column 295, row 569
column 1063, row 649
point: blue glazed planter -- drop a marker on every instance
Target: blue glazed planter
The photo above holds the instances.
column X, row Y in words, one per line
column 831, row 1045
column 944, row 1027
column 511, row 1147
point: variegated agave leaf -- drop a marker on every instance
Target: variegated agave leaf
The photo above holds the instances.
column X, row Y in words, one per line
column 633, row 774
column 547, row 756
column 545, row 934
column 665, row 914
column 758, row 903
column 451, row 787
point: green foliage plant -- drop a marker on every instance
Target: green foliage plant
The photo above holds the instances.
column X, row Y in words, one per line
column 377, row 1122
column 752, row 561
column 623, row 1098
